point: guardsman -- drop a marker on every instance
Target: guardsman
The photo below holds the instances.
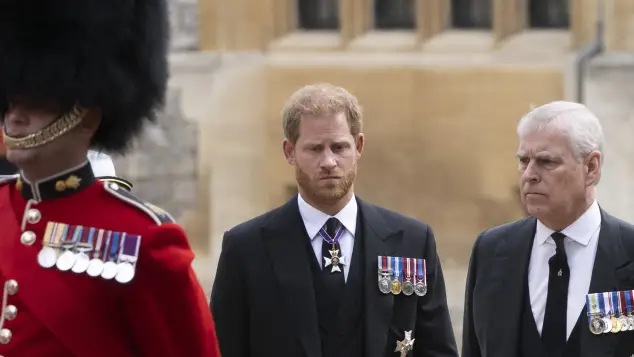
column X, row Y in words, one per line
column 87, row 269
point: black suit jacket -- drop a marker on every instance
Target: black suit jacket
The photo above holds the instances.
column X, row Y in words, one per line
column 263, row 299
column 495, row 286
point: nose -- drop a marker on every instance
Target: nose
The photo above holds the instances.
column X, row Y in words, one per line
column 14, row 114
column 530, row 173
column 328, row 162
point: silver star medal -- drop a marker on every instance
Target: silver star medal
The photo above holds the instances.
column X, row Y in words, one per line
column 335, row 260
column 406, row 345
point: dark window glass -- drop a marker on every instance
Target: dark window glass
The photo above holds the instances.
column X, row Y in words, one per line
column 318, row 14
column 394, row 14
column 549, row 13
column 474, row 14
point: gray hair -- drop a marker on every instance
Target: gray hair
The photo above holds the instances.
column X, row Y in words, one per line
column 574, row 120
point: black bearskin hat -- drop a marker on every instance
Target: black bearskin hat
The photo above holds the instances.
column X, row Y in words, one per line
column 105, row 54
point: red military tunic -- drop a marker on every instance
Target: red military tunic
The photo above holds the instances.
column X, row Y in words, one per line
column 52, row 312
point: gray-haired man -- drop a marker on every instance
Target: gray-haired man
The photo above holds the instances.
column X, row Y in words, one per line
column 558, row 282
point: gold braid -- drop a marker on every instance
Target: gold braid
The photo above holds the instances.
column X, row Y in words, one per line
column 59, row 127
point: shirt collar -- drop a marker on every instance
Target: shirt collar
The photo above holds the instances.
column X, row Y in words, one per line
column 314, row 219
column 580, row 231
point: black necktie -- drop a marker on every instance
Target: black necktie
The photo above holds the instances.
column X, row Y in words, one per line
column 554, row 328
column 334, row 281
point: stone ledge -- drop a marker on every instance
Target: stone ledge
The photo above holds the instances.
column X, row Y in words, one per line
column 611, row 60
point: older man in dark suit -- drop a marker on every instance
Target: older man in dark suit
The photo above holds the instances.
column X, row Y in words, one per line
column 559, row 282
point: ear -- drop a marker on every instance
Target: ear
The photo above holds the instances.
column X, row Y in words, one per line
column 360, row 142
column 593, row 167
column 289, row 151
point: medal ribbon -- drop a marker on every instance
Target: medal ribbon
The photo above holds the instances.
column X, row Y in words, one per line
column 622, row 304
column 59, row 236
column 422, row 273
column 628, row 301
column 97, row 249
column 114, row 246
column 51, row 231
column 614, row 303
column 607, row 300
column 105, row 247
column 602, row 311
column 388, row 260
column 381, row 263
column 396, row 261
column 91, row 236
column 329, row 239
column 77, row 234
column 86, row 239
column 593, row 305
column 129, row 248
column 408, row 271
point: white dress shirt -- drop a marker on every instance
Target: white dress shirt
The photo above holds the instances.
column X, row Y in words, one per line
column 581, row 245
column 314, row 220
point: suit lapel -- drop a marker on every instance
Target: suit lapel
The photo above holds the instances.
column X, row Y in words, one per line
column 508, row 283
column 610, row 256
column 379, row 239
column 286, row 241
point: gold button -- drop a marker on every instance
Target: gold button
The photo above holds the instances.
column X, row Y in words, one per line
column 27, row 238
column 10, row 312
column 60, row 186
column 33, row 216
column 12, row 287
column 5, row 336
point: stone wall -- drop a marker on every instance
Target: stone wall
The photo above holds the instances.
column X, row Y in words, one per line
column 609, row 92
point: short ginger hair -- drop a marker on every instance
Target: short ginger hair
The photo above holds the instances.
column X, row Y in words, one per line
column 319, row 100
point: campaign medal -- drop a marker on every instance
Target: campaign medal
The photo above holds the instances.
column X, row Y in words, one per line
column 47, row 257
column 109, row 266
column 605, row 308
column 396, row 281
column 596, row 323
column 128, row 256
column 421, row 277
column 95, row 266
column 408, row 286
column 83, row 247
column 622, row 313
column 336, row 261
column 385, row 270
column 595, row 311
column 613, row 301
column 67, row 258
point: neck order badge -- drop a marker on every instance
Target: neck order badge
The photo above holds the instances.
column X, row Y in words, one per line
column 335, row 260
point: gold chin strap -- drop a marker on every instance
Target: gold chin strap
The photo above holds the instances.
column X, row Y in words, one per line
column 59, row 127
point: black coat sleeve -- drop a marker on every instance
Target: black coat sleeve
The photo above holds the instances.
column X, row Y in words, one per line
column 434, row 331
column 229, row 304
